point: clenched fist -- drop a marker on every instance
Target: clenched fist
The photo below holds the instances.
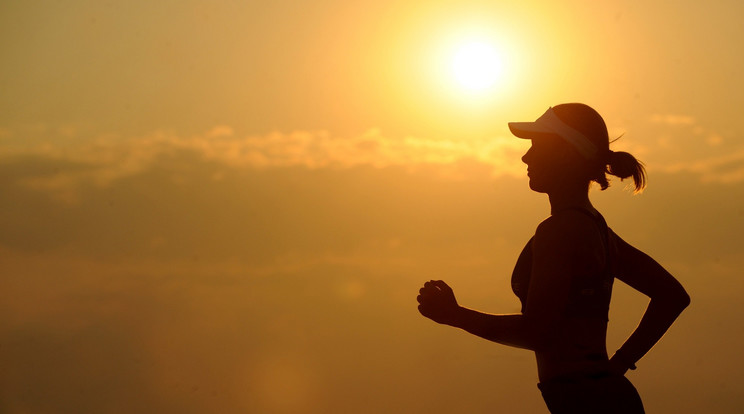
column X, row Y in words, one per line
column 437, row 302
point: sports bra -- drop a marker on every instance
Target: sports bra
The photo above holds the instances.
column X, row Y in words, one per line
column 589, row 295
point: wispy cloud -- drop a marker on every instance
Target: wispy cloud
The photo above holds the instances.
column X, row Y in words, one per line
column 726, row 169
column 106, row 158
column 675, row 143
column 318, row 149
column 681, row 144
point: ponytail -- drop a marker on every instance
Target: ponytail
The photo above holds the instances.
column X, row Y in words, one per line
column 624, row 165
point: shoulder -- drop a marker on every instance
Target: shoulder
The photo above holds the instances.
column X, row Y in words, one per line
column 570, row 227
column 569, row 239
column 566, row 245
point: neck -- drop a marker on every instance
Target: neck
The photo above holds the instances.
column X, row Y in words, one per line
column 567, row 198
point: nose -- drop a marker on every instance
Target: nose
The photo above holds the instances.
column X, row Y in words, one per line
column 527, row 156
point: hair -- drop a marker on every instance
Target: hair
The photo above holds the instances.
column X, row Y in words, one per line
column 621, row 164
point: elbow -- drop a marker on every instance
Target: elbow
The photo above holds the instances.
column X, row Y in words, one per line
column 677, row 300
column 684, row 300
column 681, row 298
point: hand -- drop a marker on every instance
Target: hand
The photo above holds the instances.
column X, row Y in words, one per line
column 437, row 302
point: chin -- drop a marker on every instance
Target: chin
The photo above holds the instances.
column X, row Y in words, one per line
column 537, row 186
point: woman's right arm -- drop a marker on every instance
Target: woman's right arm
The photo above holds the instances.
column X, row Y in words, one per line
column 668, row 299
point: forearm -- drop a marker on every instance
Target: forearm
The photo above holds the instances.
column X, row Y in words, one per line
column 657, row 319
column 510, row 329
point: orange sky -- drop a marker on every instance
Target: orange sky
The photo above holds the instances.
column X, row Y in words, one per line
column 229, row 206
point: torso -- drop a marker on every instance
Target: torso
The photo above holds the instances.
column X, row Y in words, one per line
column 580, row 347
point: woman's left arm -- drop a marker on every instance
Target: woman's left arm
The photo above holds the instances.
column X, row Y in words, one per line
column 554, row 253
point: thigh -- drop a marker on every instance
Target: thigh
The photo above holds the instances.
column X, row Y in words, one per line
column 611, row 394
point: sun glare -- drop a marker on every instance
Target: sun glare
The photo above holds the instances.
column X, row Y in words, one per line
column 477, row 66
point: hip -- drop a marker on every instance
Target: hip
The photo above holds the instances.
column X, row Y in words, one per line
column 597, row 393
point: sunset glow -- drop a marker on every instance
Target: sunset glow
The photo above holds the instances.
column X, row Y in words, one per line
column 230, row 206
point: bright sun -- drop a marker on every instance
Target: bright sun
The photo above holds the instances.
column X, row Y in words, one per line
column 477, row 66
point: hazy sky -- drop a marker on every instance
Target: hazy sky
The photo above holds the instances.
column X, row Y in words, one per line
column 229, row 206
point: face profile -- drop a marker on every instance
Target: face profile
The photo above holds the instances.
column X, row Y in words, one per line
column 550, row 163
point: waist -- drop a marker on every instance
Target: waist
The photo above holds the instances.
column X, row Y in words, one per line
column 575, row 378
column 571, row 366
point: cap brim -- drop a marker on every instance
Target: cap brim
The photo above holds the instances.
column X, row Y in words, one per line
column 529, row 130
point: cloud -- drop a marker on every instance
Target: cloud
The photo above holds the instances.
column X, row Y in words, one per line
column 724, row 169
column 681, row 144
column 318, row 149
column 105, row 158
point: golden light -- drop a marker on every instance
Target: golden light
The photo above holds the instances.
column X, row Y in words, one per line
column 469, row 69
column 477, row 66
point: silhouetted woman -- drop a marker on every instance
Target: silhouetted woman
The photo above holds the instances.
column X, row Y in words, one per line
column 564, row 275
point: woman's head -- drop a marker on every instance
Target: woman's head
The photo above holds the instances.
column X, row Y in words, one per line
column 570, row 144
